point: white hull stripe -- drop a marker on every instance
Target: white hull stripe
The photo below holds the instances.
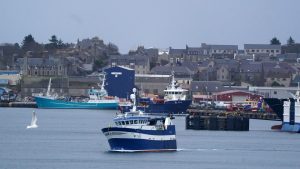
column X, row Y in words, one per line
column 132, row 135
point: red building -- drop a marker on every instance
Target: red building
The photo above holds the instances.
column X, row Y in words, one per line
column 235, row 96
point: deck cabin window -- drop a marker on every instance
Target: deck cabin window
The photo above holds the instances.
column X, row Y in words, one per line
column 127, row 122
column 123, row 122
column 135, row 122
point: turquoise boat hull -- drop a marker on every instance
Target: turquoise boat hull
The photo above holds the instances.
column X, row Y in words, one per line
column 47, row 103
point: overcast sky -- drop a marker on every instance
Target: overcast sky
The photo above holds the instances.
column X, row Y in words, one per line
column 152, row 23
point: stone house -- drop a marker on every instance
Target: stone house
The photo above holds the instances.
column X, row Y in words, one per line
column 251, row 72
column 226, row 70
column 262, row 49
column 278, row 73
column 184, row 75
column 140, row 63
column 50, row 66
column 219, row 51
column 152, row 84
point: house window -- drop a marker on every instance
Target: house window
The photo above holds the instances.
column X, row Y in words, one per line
column 275, row 92
column 253, row 50
column 267, row 50
column 284, row 79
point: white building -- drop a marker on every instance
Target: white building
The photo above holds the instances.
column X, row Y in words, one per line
column 266, row 49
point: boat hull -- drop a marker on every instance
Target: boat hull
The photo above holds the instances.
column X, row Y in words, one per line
column 132, row 140
column 286, row 126
column 46, row 103
column 123, row 145
column 168, row 107
column 276, row 105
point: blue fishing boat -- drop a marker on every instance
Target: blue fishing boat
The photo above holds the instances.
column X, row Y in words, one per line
column 175, row 100
column 98, row 99
column 135, row 131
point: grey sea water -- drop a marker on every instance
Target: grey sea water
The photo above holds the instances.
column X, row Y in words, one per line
column 72, row 139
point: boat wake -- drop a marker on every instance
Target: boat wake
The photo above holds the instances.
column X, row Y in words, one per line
column 198, row 149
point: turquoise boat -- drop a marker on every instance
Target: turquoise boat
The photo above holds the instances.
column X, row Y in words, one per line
column 98, row 99
column 49, row 103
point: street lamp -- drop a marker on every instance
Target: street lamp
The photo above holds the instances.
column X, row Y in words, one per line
column 206, row 93
column 216, row 93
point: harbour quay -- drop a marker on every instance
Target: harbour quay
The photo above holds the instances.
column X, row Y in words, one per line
column 223, row 120
column 19, row 104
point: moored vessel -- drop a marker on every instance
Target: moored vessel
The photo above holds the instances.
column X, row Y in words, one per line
column 291, row 114
column 175, row 101
column 98, row 99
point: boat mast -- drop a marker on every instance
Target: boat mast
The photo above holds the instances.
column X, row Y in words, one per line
column 49, row 88
column 133, row 98
column 173, row 82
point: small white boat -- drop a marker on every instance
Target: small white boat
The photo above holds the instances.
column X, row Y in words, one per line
column 33, row 123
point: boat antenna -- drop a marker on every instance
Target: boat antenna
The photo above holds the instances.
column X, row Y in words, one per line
column 298, row 94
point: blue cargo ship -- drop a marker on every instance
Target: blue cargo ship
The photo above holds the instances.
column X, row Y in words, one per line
column 288, row 110
column 291, row 114
column 174, row 102
column 98, row 99
column 135, row 131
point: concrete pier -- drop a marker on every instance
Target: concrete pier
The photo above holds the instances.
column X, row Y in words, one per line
column 247, row 114
column 228, row 123
column 223, row 120
column 19, row 104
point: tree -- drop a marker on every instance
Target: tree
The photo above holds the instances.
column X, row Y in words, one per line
column 53, row 39
column 29, row 44
column 99, row 63
column 17, row 45
column 55, row 44
column 60, row 44
column 275, row 41
column 290, row 41
column 112, row 49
